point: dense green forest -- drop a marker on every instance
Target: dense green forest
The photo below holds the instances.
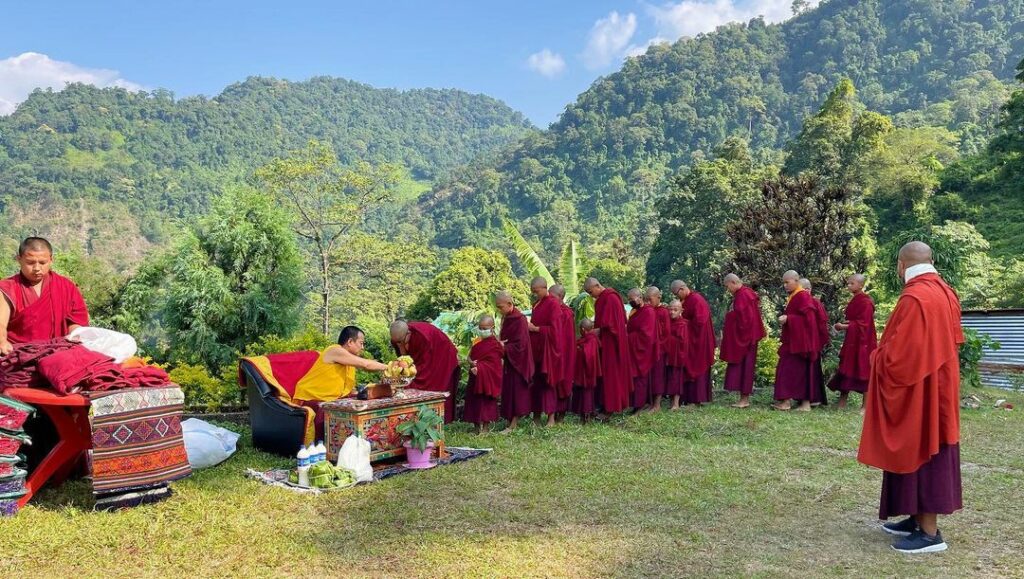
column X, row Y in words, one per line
column 75, row 161
column 597, row 172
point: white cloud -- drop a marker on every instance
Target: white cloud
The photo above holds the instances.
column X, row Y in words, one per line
column 546, row 63
column 689, row 18
column 640, row 49
column 608, row 39
column 20, row 75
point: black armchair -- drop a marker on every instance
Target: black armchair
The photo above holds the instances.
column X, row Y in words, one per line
column 277, row 427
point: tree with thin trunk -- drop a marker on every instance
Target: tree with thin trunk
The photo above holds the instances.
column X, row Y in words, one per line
column 329, row 203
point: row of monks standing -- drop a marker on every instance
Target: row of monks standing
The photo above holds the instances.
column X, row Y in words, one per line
column 540, row 365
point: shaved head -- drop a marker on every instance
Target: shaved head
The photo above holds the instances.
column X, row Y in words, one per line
column 805, row 283
column 855, row 283
column 593, row 287
column 399, row 331
column 504, row 302
column 586, row 324
column 915, row 253
column 732, row 283
column 676, row 286
column 539, row 282
column 675, row 308
column 38, row 244
column 557, row 290
column 503, row 297
column 635, row 293
column 486, row 319
column 791, row 274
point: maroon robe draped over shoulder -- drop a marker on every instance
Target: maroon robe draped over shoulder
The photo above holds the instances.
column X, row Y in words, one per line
column 642, row 330
column 47, row 316
column 519, row 367
column 567, row 347
column 800, row 349
column 742, row 332
column 484, row 387
column 610, row 320
column 676, row 357
column 659, row 374
column 860, row 340
column 437, row 363
column 587, row 371
column 547, row 353
column 700, row 350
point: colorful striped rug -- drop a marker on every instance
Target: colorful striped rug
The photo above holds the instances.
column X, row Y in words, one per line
column 136, row 439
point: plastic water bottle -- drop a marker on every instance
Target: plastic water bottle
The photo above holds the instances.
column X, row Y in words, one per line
column 303, row 466
column 321, row 451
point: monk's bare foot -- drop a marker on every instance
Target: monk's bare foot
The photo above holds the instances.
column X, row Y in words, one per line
column 654, row 408
column 506, row 432
column 551, row 420
column 842, row 405
column 804, row 407
column 783, row 406
column 741, row 405
column 602, row 417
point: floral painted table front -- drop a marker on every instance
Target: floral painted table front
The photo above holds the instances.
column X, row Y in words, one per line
column 376, row 421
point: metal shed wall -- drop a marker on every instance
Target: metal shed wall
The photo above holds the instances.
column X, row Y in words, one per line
column 998, row 367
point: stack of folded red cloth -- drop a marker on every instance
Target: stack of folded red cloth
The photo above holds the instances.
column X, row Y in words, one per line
column 19, row 368
column 69, row 368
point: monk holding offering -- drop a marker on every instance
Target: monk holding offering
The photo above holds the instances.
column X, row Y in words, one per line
column 912, row 406
column 484, row 387
column 517, row 373
column 435, row 356
column 38, row 304
column 610, row 325
column 799, row 350
column 860, row 340
column 743, row 330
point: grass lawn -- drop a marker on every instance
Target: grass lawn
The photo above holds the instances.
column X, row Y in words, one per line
column 710, row 492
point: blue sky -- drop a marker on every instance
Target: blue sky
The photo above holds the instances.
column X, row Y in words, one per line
column 534, row 55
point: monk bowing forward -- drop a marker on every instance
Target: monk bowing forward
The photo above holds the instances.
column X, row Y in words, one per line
column 743, row 330
column 861, row 339
column 38, row 304
column 912, row 408
column 435, row 356
column 700, row 344
column 610, row 326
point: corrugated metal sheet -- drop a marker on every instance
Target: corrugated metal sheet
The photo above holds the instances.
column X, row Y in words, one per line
column 998, row 367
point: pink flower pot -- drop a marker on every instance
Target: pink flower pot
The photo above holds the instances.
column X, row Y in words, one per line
column 417, row 458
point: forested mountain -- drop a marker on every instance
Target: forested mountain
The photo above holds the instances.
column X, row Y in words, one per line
column 107, row 167
column 595, row 173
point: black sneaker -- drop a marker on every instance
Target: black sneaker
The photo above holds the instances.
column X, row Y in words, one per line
column 920, row 542
column 901, row 528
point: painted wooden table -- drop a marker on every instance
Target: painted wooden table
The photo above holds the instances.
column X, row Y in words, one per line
column 376, row 421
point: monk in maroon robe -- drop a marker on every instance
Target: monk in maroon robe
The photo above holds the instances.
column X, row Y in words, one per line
column 676, row 353
column 743, row 331
column 484, row 387
column 700, row 346
column 517, row 374
column 38, row 305
column 435, row 356
column 587, row 371
column 642, row 332
column 564, row 389
column 546, row 338
column 912, row 406
column 659, row 373
column 825, row 338
column 610, row 325
column 860, row 340
column 800, row 348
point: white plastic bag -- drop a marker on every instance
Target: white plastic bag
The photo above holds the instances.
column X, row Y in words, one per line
column 355, row 456
column 118, row 346
column 206, row 444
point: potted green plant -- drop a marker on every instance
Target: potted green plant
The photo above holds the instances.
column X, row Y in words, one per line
column 420, row 436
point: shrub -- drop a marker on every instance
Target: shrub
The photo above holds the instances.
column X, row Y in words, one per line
column 767, row 360
column 211, row 393
column 971, row 352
